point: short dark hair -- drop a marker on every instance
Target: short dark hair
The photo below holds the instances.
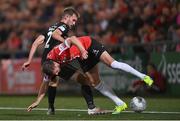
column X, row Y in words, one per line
column 48, row 67
column 70, row 11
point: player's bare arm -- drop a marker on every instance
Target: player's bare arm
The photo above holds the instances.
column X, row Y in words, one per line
column 39, row 40
column 57, row 34
column 74, row 40
column 41, row 94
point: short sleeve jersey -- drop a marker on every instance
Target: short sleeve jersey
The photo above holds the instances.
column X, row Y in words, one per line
column 50, row 43
column 63, row 54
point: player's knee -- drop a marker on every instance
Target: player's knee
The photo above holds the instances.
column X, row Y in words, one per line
column 82, row 79
column 54, row 82
column 95, row 83
column 75, row 76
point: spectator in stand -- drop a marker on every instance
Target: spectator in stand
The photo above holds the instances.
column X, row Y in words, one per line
column 178, row 14
column 159, row 79
column 14, row 42
column 159, row 85
column 177, row 34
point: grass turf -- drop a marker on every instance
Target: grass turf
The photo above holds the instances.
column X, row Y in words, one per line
column 67, row 102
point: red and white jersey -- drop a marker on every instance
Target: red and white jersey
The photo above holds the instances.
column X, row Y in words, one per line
column 63, row 54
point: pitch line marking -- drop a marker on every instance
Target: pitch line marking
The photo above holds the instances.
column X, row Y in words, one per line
column 83, row 110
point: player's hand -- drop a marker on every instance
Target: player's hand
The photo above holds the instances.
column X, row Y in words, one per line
column 33, row 105
column 25, row 65
column 84, row 55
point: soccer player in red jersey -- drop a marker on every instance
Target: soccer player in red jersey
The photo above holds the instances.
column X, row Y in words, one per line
column 60, row 55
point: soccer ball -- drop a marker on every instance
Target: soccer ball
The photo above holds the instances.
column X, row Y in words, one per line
column 138, row 104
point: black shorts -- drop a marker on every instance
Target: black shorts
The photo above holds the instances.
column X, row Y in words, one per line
column 67, row 71
column 94, row 53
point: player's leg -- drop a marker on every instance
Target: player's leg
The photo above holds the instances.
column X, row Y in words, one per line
column 70, row 71
column 99, row 52
column 108, row 60
column 51, row 95
column 85, row 88
column 74, row 74
column 87, row 93
column 51, row 92
column 93, row 75
column 65, row 74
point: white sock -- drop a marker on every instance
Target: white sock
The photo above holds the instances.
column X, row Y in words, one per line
column 127, row 68
column 106, row 91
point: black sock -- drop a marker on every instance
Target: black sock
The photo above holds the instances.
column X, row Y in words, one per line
column 87, row 93
column 51, row 96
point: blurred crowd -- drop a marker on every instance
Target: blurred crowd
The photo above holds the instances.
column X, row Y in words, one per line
column 112, row 22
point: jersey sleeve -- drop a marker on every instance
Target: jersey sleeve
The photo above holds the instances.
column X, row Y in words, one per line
column 63, row 28
column 46, row 37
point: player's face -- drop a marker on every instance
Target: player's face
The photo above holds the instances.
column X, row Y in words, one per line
column 72, row 20
column 56, row 68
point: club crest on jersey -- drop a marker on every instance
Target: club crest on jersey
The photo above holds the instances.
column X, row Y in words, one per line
column 95, row 52
column 62, row 47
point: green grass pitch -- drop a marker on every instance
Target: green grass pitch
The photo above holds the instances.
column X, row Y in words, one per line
column 157, row 108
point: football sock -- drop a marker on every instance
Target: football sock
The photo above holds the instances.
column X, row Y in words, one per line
column 87, row 93
column 51, row 96
column 106, row 91
column 127, row 68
